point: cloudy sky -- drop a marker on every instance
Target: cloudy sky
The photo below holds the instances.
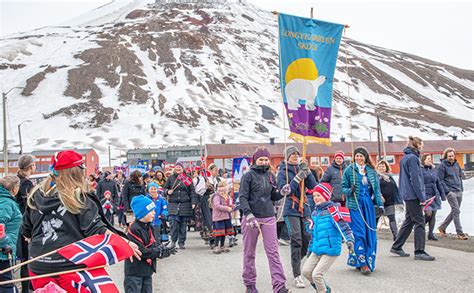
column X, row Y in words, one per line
column 438, row 30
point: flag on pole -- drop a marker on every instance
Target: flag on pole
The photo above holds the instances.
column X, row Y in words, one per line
column 97, row 250
column 340, row 213
column 308, row 51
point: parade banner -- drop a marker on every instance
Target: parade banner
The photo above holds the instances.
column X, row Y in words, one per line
column 239, row 167
column 308, row 51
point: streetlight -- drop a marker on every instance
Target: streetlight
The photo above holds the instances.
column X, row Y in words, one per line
column 19, row 134
column 5, row 142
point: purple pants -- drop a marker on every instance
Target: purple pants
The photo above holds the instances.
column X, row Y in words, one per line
column 270, row 244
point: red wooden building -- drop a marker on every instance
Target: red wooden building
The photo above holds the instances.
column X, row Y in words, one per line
column 317, row 154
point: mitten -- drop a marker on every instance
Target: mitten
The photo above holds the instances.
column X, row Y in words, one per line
column 285, row 190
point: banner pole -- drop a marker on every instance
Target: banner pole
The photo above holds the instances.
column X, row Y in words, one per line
column 27, row 262
column 301, row 205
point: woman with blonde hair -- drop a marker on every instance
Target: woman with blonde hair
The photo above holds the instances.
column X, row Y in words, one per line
column 60, row 212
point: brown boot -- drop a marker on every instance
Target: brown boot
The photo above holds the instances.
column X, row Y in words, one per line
column 462, row 236
column 442, row 232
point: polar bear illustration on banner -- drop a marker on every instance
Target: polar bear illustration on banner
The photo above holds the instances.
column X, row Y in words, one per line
column 302, row 83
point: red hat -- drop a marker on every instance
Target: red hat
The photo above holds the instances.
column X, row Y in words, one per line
column 339, row 154
column 324, row 189
column 66, row 160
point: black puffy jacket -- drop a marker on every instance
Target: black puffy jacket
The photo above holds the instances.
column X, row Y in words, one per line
column 182, row 198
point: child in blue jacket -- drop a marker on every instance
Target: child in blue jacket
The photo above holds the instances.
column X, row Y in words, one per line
column 329, row 228
column 161, row 209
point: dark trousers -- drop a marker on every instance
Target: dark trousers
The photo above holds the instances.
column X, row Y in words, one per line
column 430, row 219
column 299, row 242
column 178, row 230
column 121, row 218
column 22, row 255
column 10, row 288
column 133, row 284
column 413, row 218
column 156, row 233
column 282, row 231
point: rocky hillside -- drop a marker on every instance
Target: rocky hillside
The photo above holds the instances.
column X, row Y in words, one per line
column 149, row 74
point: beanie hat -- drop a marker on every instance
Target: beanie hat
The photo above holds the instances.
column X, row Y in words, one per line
column 260, row 152
column 290, row 150
column 25, row 161
column 141, row 206
column 152, row 184
column 66, row 160
column 324, row 189
column 363, row 151
column 339, row 154
column 179, row 164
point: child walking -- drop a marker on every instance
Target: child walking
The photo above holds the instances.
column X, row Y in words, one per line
column 221, row 222
column 108, row 206
column 329, row 228
column 161, row 209
column 138, row 273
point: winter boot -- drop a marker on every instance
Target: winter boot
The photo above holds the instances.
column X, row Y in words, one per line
column 399, row 252
column 462, row 236
column 217, row 250
column 172, row 245
column 251, row 289
column 424, row 256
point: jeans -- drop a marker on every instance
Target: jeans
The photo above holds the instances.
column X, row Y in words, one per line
column 454, row 200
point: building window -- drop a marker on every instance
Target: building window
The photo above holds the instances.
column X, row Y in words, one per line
column 325, row 161
column 314, row 161
column 13, row 164
column 348, row 160
column 389, row 158
column 468, row 158
column 92, row 158
column 1, row 164
column 436, row 159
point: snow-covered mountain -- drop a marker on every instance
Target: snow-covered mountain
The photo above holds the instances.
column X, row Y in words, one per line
column 147, row 74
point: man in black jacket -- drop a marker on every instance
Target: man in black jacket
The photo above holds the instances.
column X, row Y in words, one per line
column 107, row 184
column 450, row 176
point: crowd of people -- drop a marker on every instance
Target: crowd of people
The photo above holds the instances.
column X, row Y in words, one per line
column 311, row 210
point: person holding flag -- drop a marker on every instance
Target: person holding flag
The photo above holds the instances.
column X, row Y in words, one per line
column 329, row 221
column 182, row 199
column 59, row 212
column 291, row 173
column 360, row 185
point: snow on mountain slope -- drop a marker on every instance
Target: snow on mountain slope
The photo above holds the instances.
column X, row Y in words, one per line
column 134, row 73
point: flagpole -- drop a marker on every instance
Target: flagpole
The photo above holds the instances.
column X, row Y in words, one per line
column 27, row 262
column 51, row 275
column 301, row 205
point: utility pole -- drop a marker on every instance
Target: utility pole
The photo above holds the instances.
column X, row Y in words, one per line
column 110, row 164
column 5, row 143
column 19, row 134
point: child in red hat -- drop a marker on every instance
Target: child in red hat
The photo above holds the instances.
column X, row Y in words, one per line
column 328, row 231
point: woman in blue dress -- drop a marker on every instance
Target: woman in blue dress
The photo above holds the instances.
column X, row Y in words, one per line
column 360, row 185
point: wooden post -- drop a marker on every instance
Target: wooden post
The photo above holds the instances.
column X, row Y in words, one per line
column 311, row 12
column 302, row 193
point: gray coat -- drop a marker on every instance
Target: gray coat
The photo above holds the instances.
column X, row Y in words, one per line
column 333, row 176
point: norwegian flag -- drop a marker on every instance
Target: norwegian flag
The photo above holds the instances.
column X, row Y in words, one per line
column 185, row 179
column 428, row 202
column 97, row 250
column 340, row 213
column 93, row 281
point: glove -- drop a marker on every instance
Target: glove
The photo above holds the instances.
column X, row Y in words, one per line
column 166, row 252
column 353, row 189
column 300, row 176
column 6, row 250
column 285, row 190
column 252, row 221
column 303, row 166
column 350, row 246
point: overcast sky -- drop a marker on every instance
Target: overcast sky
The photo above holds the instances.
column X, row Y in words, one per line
column 438, row 30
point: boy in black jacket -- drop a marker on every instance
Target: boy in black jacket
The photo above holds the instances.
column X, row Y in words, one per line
column 138, row 273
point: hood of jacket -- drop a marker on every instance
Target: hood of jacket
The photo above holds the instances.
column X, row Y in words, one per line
column 409, row 150
column 46, row 204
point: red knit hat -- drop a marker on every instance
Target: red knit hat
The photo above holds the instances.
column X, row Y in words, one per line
column 339, row 154
column 324, row 189
column 66, row 160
